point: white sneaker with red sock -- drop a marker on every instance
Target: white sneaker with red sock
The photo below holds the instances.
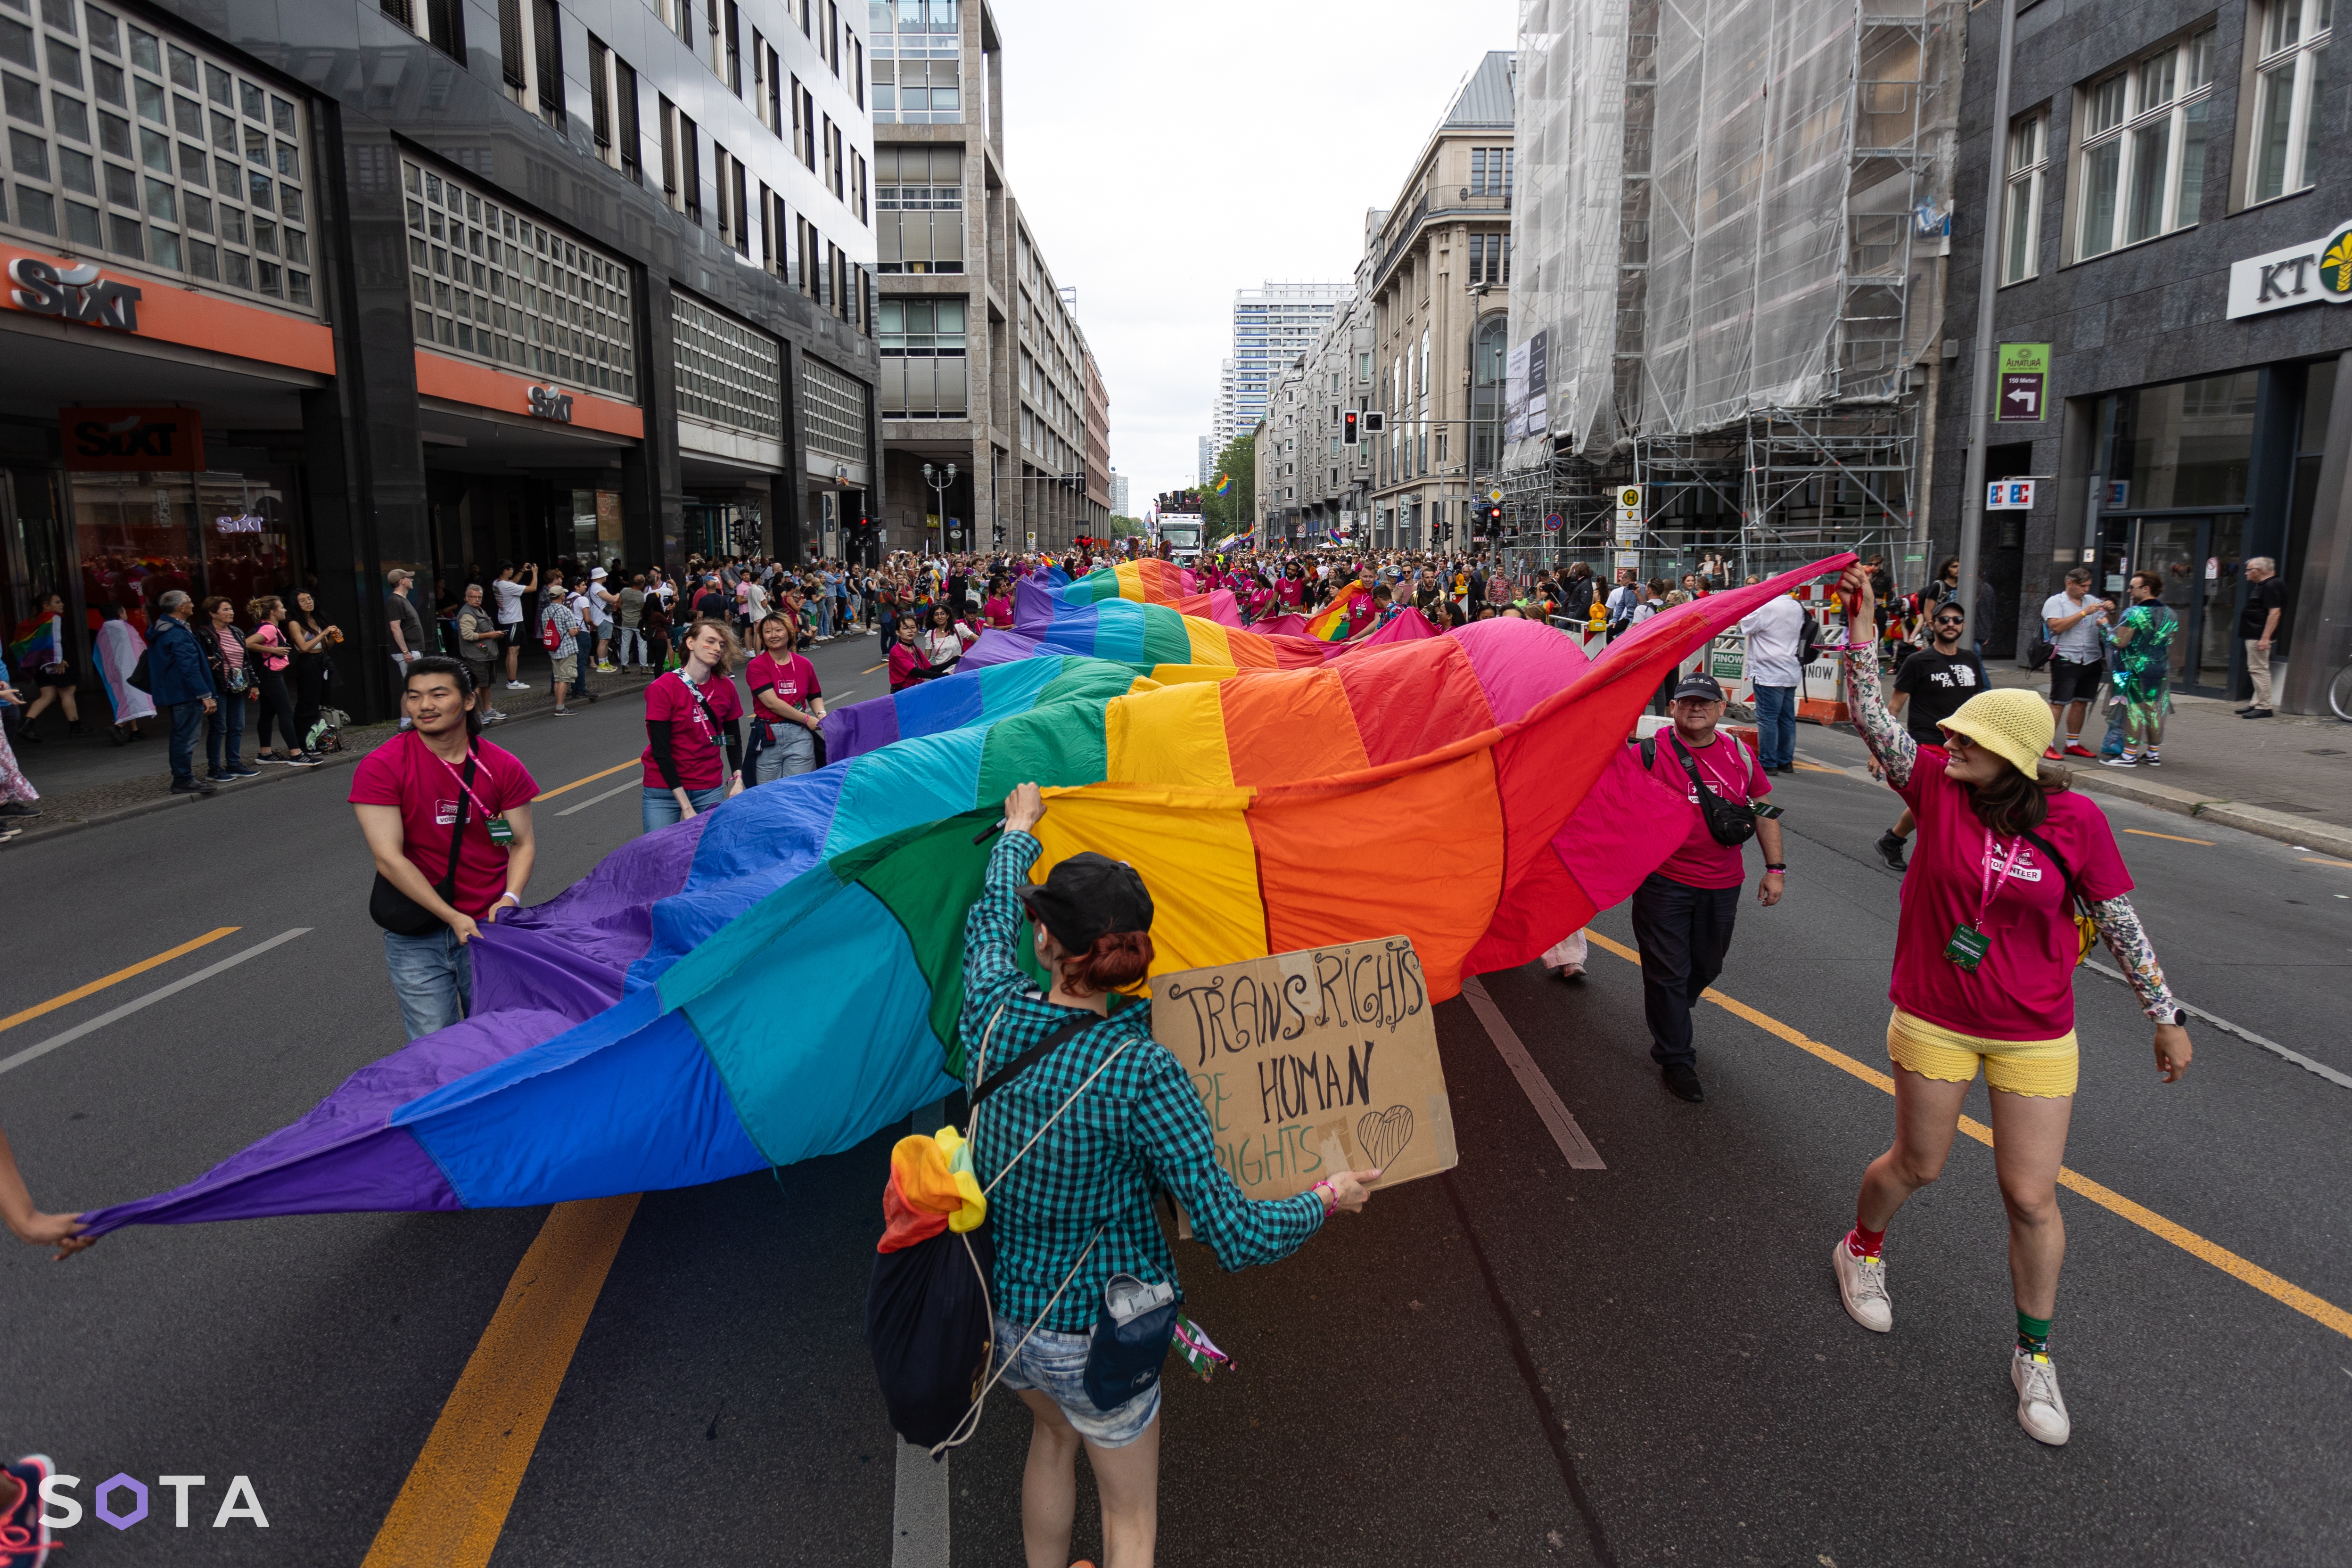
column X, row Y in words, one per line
column 1862, row 1285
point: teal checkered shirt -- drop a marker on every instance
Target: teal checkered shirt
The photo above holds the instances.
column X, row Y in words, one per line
column 1137, row 1126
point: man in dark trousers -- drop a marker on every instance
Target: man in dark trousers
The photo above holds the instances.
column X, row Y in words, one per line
column 1683, row 912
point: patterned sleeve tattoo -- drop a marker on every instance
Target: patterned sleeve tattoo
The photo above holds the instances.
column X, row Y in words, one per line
column 1881, row 731
column 2119, row 924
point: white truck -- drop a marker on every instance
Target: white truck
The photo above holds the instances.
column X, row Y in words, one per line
column 1182, row 532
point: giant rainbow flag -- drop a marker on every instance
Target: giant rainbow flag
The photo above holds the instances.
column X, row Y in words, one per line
column 780, row 978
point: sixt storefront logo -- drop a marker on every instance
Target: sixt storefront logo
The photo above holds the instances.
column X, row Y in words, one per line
column 77, row 293
column 121, row 1501
column 134, row 440
column 547, row 402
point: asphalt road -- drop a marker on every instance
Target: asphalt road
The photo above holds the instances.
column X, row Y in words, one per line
column 1518, row 1363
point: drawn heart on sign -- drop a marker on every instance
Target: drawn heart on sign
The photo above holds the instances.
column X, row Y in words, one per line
column 1383, row 1134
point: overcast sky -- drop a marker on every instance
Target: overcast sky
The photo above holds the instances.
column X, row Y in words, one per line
column 1169, row 155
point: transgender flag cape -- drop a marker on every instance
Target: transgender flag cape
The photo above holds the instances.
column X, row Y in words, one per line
column 780, row 978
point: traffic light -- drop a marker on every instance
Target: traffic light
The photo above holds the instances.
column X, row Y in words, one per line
column 1347, row 436
column 1375, row 421
column 1495, row 520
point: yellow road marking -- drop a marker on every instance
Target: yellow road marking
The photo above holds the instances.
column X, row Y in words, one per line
column 576, row 784
column 454, row 1504
column 141, row 967
column 2315, row 860
column 1817, row 767
column 2284, row 1291
column 2176, row 838
column 882, row 665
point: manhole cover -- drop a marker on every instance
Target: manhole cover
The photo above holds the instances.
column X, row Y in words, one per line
column 2283, row 806
column 2324, row 752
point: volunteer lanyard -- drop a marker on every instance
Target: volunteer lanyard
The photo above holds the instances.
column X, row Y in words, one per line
column 471, row 757
column 1991, row 884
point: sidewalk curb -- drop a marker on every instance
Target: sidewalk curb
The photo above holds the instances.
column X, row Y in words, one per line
column 2283, row 826
column 336, row 760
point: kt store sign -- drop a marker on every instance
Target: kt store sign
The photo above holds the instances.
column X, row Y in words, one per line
column 134, row 440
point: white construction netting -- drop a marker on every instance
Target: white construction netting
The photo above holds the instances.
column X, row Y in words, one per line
column 1725, row 206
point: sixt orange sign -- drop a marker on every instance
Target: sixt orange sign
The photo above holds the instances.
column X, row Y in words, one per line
column 134, row 440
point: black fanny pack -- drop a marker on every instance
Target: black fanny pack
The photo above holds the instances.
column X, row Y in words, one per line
column 1729, row 823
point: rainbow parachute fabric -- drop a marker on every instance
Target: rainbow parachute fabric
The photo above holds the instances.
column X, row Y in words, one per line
column 780, row 978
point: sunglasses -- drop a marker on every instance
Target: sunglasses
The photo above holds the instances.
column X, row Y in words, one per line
column 1955, row 741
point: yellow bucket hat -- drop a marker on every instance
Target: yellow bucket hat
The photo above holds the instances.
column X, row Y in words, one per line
column 2014, row 724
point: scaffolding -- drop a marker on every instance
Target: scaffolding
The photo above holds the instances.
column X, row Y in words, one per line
column 1728, row 231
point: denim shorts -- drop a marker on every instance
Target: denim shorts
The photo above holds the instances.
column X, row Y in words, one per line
column 1055, row 1365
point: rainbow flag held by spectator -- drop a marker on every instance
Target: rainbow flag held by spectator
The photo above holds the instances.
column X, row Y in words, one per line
column 38, row 641
column 1225, row 483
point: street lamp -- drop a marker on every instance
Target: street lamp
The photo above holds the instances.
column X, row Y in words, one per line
column 939, row 485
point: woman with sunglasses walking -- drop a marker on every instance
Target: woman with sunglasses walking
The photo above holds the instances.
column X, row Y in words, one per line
column 1985, row 951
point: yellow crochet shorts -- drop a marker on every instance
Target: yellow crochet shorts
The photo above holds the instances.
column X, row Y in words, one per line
column 2042, row 1068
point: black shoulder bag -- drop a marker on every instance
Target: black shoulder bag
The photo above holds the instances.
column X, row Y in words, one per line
column 1729, row 823
column 403, row 916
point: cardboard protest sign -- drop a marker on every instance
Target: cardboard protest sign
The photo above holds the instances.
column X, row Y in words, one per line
column 1311, row 1063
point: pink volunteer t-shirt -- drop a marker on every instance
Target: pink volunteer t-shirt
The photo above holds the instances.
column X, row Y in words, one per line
column 2024, row 987
column 1731, row 770
column 694, row 744
column 792, row 680
column 404, row 772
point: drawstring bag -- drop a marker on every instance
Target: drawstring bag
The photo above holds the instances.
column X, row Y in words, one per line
column 930, row 1326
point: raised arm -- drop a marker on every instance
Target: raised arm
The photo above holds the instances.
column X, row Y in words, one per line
column 991, row 971
column 1888, row 739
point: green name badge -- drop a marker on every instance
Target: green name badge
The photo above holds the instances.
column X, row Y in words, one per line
column 1968, row 947
column 502, row 835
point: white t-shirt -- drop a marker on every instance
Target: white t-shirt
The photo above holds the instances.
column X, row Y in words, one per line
column 2079, row 644
column 509, row 601
column 1774, row 632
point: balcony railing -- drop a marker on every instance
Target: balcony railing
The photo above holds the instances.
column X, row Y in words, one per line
column 1449, row 202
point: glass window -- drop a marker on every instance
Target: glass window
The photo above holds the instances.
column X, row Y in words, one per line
column 2188, row 444
column 2141, row 168
column 537, row 330
column 2290, row 77
column 165, row 181
column 727, row 372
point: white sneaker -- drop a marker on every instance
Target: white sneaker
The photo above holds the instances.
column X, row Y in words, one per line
column 518, row 685
column 1862, row 1285
column 2041, row 1408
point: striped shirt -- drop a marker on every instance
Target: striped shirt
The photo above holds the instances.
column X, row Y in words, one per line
column 1137, row 1126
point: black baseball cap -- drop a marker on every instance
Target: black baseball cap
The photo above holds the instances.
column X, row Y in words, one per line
column 1698, row 684
column 1086, row 896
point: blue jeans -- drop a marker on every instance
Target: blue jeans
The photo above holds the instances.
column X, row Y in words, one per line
column 431, row 978
column 188, row 729
column 660, row 807
column 1775, row 725
column 224, row 725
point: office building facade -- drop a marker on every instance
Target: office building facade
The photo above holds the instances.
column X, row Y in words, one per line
column 1439, row 276
column 302, row 296
column 983, row 365
column 1272, row 326
column 2174, row 233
